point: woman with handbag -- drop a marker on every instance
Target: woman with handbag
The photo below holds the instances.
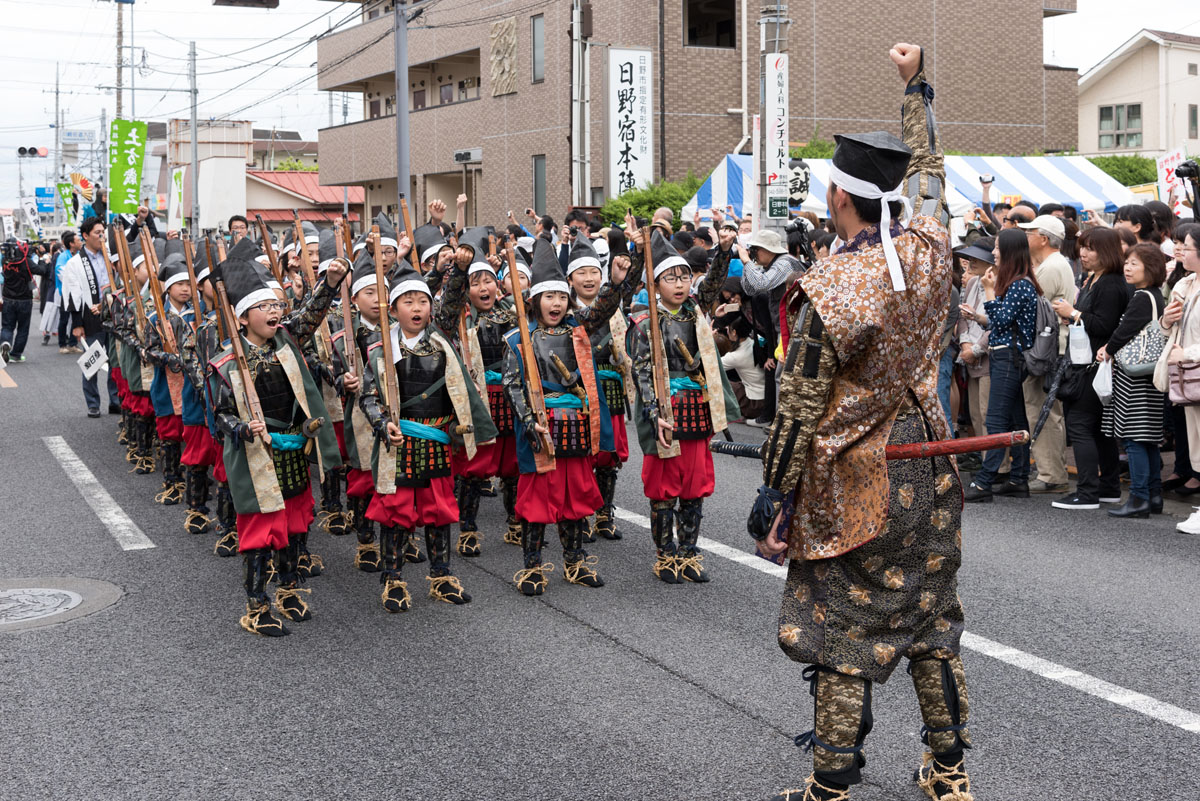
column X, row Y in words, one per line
column 1098, row 309
column 1011, row 291
column 973, row 340
column 1183, row 351
column 1135, row 414
column 1183, row 479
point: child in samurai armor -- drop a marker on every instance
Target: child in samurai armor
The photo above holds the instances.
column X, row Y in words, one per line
column 701, row 404
column 437, row 402
column 480, row 337
column 579, row 423
column 136, row 371
column 270, row 484
column 169, row 386
column 585, row 274
column 201, row 448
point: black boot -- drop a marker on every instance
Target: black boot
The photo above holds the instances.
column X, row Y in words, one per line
column 1156, row 505
column 308, row 564
column 123, row 428
column 688, row 557
column 443, row 586
column 1133, row 507
column 512, row 535
column 288, row 596
column 942, row 695
column 144, row 458
column 842, row 721
column 578, row 567
column 366, row 558
column 227, row 544
column 196, row 482
column 470, row 541
column 532, row 579
column 332, row 519
column 172, row 487
column 395, row 596
column 412, row 549
column 606, row 520
column 662, row 529
column 258, row 618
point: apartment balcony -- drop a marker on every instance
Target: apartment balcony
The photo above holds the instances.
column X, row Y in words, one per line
column 366, row 151
column 349, row 58
column 1055, row 8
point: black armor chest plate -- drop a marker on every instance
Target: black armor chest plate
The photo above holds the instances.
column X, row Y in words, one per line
column 415, row 373
column 548, row 343
column 490, row 328
column 679, row 328
column 275, row 394
column 602, row 354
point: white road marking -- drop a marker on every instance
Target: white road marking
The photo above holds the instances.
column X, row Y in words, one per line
column 1114, row 694
column 124, row 530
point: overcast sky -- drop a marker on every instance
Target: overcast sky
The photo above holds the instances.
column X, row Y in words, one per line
column 237, row 46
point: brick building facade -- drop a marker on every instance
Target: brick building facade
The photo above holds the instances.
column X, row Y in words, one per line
column 475, row 84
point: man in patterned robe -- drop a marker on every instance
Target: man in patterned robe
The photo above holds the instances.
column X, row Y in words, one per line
column 875, row 546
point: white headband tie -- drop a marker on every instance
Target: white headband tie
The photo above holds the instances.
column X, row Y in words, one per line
column 863, row 189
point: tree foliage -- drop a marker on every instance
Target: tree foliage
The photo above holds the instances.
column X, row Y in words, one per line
column 293, row 164
column 1129, row 170
column 645, row 200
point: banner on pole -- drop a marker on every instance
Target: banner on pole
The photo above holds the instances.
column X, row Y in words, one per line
column 630, row 143
column 127, row 148
column 64, row 194
column 776, row 154
column 1170, row 186
column 175, row 201
column 29, row 206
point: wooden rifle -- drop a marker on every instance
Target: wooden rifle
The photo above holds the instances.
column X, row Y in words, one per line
column 658, row 369
column 164, row 325
column 544, row 456
column 323, row 339
column 272, row 259
column 391, row 388
column 187, row 258
column 222, row 332
column 349, row 341
column 126, row 265
column 408, row 229
column 249, row 391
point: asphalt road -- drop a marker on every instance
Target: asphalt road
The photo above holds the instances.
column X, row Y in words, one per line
column 638, row 690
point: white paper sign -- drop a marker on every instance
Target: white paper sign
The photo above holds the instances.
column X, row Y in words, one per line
column 175, row 201
column 1170, row 186
column 630, row 143
column 94, row 357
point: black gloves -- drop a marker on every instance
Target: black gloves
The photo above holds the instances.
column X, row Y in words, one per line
column 767, row 507
column 532, row 437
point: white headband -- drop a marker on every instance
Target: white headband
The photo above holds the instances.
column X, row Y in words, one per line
column 253, row 299
column 583, row 261
column 549, row 286
column 411, row 285
column 175, row 279
column 869, row 191
column 481, row 267
column 363, row 282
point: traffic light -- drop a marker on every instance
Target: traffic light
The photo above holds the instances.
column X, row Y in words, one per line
column 32, row 152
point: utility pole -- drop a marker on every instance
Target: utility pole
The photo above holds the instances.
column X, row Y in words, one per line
column 195, row 222
column 400, row 32
column 132, row 70
column 773, row 106
column 346, row 189
column 58, row 171
column 120, row 54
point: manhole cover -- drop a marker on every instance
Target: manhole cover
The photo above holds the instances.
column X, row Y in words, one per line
column 27, row 603
column 30, row 603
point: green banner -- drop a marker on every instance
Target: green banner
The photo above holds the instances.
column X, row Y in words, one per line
column 127, row 148
column 64, row 194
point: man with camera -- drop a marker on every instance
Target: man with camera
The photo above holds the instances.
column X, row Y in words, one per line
column 20, row 266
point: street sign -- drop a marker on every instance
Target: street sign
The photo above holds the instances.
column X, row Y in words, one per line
column 77, row 136
column 777, row 202
column 44, row 195
column 471, row 156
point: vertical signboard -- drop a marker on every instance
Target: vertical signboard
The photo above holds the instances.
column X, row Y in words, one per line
column 127, row 148
column 776, row 155
column 630, row 142
column 175, row 201
column 756, row 154
column 1170, row 186
column 66, row 196
column 29, row 206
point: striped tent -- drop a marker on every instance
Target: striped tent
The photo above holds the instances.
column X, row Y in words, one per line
column 1070, row 180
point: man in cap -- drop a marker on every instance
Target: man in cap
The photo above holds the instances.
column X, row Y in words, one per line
column 875, row 545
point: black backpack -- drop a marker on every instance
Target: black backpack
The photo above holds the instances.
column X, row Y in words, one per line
column 1041, row 357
